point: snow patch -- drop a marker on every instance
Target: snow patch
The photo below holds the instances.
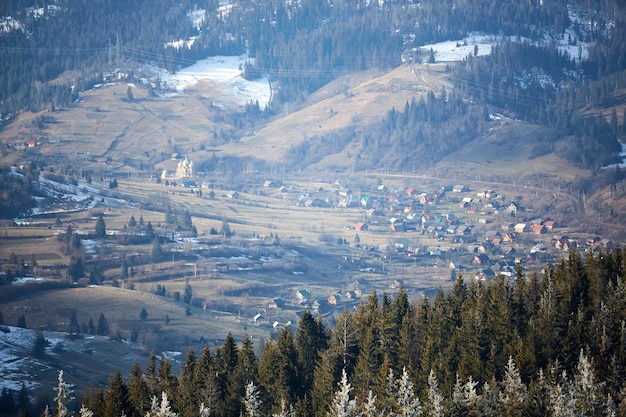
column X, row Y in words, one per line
column 8, row 24
column 225, row 72
column 622, row 164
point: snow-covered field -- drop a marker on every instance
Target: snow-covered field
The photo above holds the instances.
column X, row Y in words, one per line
column 16, row 369
column 458, row 50
column 224, row 73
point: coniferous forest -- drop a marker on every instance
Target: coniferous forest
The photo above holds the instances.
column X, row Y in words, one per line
column 548, row 343
column 304, row 45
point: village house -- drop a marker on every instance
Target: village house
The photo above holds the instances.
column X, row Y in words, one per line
column 514, row 207
column 549, row 224
column 460, row 189
column 350, row 295
column 485, row 275
column 361, row 226
column 486, row 194
column 303, row 295
column 412, row 192
column 398, row 283
column 334, row 299
column 493, row 236
column 481, row 259
column 510, row 237
column 520, row 228
column 276, row 303
column 539, row 229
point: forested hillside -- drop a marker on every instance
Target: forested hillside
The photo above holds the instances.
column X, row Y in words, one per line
column 304, row 45
column 549, row 343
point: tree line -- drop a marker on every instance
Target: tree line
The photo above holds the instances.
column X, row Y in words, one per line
column 301, row 45
column 544, row 343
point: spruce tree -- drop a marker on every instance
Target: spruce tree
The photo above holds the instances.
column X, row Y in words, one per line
column 226, row 362
column 407, row 402
column 101, row 231
column 434, row 406
column 167, row 380
column 138, row 393
column 310, row 340
column 323, row 385
column 343, row 405
column 187, row 389
column 91, row 327
column 116, row 398
column 103, row 325
column 589, row 396
column 512, row 397
column 151, row 374
column 343, row 342
column 63, row 397
column 252, row 402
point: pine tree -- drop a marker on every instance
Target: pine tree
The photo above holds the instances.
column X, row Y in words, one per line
column 63, row 397
column 278, row 373
column 187, row 389
column 103, row 325
column 225, row 363
column 487, row 402
column 246, row 370
column 343, row 342
column 323, row 385
column 434, row 406
column 588, row 392
column 285, row 411
column 188, row 294
column 563, row 399
column 138, row 393
column 40, row 344
column 407, row 403
column 91, row 327
column 162, row 409
column 76, row 268
column 207, row 382
column 464, row 398
column 383, row 386
column 343, row 405
column 116, row 398
column 23, row 399
column 101, row 231
column 369, row 408
column 74, row 326
column 513, row 395
column 252, row 402
column 151, row 374
column 94, row 399
column 167, row 381
column 157, row 250
column 85, row 412
column 310, row 340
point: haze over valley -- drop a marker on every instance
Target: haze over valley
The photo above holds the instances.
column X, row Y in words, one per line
column 226, row 175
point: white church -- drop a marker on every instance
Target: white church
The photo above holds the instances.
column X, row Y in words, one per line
column 184, row 169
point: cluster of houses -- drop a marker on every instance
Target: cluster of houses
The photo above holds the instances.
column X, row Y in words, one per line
column 491, row 242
